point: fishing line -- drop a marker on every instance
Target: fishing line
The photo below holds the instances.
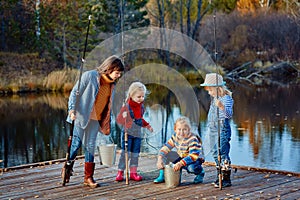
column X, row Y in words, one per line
column 155, row 114
column 210, row 139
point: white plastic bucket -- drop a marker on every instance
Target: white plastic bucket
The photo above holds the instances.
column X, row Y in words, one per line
column 107, row 154
column 106, row 150
column 172, row 178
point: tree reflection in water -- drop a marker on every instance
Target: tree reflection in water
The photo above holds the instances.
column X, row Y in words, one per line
column 265, row 125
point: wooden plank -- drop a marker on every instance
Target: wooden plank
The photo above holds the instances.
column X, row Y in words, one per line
column 44, row 182
column 290, row 189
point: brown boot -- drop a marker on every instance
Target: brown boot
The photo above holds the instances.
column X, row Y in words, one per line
column 89, row 168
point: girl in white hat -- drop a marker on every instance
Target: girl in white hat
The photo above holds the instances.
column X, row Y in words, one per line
column 221, row 101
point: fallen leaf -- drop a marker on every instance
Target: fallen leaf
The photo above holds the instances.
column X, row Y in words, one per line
column 267, row 176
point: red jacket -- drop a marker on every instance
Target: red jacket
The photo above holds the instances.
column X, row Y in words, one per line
column 138, row 112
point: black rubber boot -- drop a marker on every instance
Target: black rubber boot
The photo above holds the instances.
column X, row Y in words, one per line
column 67, row 170
column 226, row 182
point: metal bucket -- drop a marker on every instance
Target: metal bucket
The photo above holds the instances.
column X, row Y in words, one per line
column 107, row 154
column 172, row 178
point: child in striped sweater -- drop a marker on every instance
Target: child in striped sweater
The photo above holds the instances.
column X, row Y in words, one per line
column 188, row 154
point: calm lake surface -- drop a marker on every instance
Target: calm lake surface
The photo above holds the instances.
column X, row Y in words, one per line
column 265, row 126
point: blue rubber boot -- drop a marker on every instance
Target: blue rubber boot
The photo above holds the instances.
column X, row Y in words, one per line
column 160, row 178
column 199, row 177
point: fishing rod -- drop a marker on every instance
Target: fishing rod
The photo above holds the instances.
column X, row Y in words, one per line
column 218, row 117
column 68, row 164
column 125, row 129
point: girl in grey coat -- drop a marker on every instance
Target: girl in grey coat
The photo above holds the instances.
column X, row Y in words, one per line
column 92, row 112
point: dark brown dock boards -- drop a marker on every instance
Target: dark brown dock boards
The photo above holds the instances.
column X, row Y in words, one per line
column 42, row 181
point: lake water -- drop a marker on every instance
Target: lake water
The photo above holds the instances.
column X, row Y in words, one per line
column 265, row 126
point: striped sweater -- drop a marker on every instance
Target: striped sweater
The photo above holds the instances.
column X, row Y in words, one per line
column 228, row 111
column 189, row 149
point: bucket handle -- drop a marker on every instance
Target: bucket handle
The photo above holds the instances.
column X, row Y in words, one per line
column 111, row 139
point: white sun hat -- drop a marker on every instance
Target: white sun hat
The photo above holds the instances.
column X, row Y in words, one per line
column 213, row 79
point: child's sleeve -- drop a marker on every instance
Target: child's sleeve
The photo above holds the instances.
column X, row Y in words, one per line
column 228, row 104
column 120, row 119
column 168, row 146
column 145, row 123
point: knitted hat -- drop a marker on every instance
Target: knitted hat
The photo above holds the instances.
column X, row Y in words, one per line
column 213, row 79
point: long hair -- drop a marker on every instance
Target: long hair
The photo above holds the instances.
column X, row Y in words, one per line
column 134, row 87
column 110, row 64
column 224, row 90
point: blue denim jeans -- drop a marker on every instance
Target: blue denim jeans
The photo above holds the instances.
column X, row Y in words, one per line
column 90, row 136
column 225, row 137
column 194, row 167
column 134, row 147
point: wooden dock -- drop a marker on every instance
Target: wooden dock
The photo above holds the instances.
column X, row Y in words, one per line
column 43, row 181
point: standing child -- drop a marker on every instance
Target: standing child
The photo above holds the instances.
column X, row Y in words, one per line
column 222, row 101
column 131, row 118
column 92, row 114
column 189, row 154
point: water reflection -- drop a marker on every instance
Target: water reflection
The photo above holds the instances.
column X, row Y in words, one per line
column 32, row 128
column 268, row 118
column 265, row 126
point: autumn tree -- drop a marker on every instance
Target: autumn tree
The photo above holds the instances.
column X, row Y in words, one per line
column 57, row 28
column 17, row 22
column 108, row 15
column 246, row 38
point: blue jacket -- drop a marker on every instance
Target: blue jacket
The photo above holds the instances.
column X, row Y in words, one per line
column 88, row 91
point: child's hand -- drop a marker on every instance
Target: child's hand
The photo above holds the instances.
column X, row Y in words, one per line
column 160, row 163
column 219, row 104
column 124, row 114
column 72, row 114
column 149, row 128
column 177, row 166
